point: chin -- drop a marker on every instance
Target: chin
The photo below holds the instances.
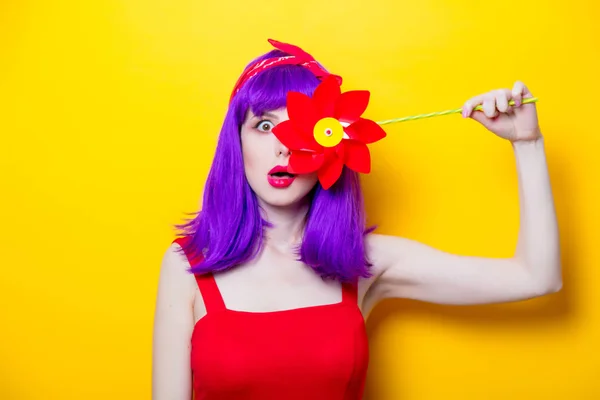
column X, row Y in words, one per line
column 282, row 199
column 294, row 195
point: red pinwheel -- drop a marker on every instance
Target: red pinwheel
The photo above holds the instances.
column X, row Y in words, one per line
column 326, row 132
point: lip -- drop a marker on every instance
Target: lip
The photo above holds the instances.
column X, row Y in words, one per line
column 279, row 182
column 279, row 168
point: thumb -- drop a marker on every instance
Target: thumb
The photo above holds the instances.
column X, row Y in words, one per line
column 480, row 117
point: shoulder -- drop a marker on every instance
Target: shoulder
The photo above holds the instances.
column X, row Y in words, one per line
column 394, row 259
column 382, row 251
column 175, row 278
column 174, row 260
column 401, row 257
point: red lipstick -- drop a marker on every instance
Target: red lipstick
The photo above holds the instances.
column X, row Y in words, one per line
column 280, row 178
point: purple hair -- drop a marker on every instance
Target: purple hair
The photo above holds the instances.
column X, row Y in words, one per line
column 229, row 230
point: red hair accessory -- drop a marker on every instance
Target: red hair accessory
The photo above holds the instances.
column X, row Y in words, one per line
column 326, row 132
column 297, row 57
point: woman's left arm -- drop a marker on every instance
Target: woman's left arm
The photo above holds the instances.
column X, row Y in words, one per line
column 408, row 269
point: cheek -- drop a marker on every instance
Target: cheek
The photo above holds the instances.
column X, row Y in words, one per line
column 307, row 181
column 247, row 155
column 253, row 154
column 247, row 150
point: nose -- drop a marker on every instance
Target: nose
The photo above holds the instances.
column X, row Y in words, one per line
column 281, row 149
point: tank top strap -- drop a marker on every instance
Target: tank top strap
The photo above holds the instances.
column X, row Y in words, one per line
column 211, row 296
column 213, row 301
column 350, row 292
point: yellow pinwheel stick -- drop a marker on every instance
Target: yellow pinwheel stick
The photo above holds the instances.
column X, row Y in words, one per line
column 447, row 112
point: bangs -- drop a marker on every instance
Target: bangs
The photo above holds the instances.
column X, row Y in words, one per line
column 268, row 90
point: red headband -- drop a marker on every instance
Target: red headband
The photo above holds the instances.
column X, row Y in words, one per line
column 297, row 57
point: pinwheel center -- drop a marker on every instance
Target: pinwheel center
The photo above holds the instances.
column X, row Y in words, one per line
column 328, row 132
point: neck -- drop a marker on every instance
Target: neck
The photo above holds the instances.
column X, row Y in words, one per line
column 288, row 224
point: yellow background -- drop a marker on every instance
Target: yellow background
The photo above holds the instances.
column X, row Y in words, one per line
column 109, row 112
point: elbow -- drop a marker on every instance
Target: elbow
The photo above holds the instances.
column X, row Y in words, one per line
column 553, row 287
column 544, row 277
column 543, row 287
column 557, row 287
column 540, row 290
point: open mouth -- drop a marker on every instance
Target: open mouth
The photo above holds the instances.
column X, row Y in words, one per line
column 282, row 174
column 279, row 177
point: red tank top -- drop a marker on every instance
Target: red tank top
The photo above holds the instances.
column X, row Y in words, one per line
column 316, row 352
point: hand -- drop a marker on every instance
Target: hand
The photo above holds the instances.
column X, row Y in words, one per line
column 514, row 123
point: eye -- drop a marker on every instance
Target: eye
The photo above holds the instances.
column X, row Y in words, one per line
column 264, row 126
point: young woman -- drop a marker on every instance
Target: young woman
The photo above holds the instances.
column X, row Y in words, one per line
column 265, row 293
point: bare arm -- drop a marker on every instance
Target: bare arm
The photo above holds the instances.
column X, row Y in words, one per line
column 408, row 269
column 173, row 325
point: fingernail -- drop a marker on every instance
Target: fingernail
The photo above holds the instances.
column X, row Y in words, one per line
column 464, row 112
column 517, row 103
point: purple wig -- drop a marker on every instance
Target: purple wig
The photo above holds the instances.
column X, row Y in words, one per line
column 229, row 230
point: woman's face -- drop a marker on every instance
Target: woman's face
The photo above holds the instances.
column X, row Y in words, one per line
column 266, row 160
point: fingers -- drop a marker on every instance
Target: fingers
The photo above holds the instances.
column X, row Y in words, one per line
column 489, row 106
column 519, row 91
column 502, row 99
column 497, row 101
column 487, row 102
column 470, row 105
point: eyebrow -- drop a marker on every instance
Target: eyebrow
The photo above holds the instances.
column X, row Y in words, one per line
column 266, row 114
